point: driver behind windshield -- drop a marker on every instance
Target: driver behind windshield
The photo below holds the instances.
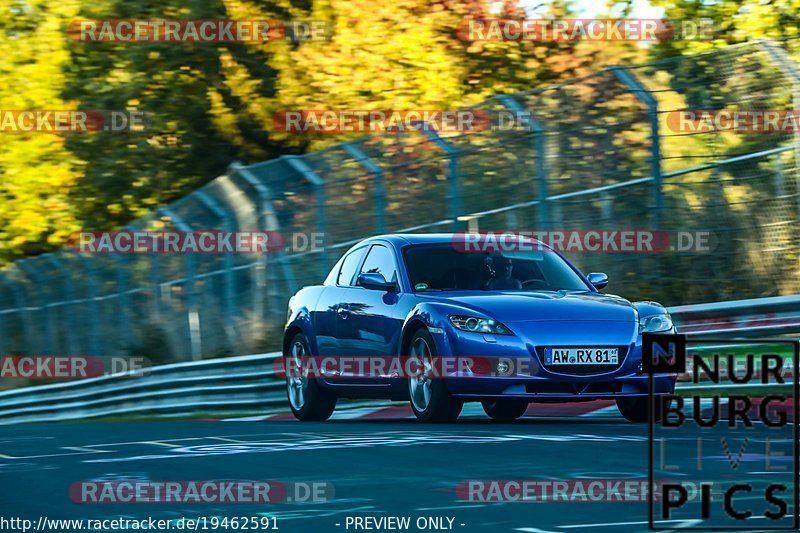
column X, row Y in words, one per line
column 440, row 267
column 502, row 278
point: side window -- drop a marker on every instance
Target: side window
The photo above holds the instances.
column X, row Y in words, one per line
column 380, row 259
column 349, row 265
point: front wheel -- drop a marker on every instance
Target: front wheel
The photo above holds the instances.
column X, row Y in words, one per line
column 430, row 400
column 635, row 409
column 505, row 409
column 307, row 400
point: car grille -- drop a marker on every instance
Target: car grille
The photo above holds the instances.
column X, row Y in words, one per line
column 583, row 370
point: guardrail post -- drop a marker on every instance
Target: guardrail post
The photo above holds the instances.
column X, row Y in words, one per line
column 192, row 317
column 69, row 299
column 268, row 222
column 638, row 90
column 227, row 258
column 27, row 330
column 46, row 342
column 318, row 183
column 377, row 172
column 94, row 337
column 539, row 147
column 452, row 172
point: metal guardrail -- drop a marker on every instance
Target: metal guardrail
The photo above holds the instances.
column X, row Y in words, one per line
column 243, row 383
column 761, row 316
column 248, row 383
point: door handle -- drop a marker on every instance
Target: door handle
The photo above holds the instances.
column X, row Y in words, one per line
column 343, row 311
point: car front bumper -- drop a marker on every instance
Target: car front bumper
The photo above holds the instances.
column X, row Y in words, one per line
column 546, row 390
column 530, row 379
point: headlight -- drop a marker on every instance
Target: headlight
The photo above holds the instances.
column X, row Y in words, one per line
column 655, row 323
column 479, row 325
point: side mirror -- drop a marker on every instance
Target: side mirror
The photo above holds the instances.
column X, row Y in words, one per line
column 598, row 279
column 376, row 282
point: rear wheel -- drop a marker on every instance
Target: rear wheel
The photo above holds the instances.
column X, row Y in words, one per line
column 505, row 409
column 636, row 409
column 307, row 399
column 430, row 400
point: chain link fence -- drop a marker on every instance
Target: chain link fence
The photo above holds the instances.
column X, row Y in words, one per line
column 600, row 152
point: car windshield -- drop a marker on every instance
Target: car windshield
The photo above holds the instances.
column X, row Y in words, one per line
column 442, row 267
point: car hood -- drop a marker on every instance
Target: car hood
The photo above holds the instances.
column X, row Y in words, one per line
column 521, row 306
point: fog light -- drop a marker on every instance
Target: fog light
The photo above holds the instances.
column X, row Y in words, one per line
column 641, row 367
column 502, row 367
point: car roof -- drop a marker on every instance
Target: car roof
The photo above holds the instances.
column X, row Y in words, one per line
column 401, row 239
column 418, row 238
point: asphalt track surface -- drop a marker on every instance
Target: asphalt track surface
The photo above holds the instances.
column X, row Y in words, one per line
column 388, row 466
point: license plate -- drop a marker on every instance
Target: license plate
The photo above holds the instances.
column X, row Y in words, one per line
column 580, row 356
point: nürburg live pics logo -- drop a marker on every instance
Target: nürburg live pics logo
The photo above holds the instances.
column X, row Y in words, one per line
column 723, row 447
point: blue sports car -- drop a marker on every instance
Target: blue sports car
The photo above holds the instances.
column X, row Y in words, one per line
column 531, row 325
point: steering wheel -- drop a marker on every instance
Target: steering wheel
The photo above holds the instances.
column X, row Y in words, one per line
column 534, row 284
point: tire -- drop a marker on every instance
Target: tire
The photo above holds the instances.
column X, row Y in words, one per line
column 307, row 400
column 504, row 409
column 635, row 409
column 430, row 400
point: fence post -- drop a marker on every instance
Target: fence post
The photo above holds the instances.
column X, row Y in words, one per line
column 638, row 90
column 192, row 316
column 91, row 286
column 377, row 172
column 49, row 344
column 539, row 147
column 268, row 222
column 318, row 183
column 227, row 259
column 3, row 321
column 3, row 334
column 452, row 172
column 778, row 178
column 19, row 301
column 69, row 299
column 155, row 279
column 124, row 317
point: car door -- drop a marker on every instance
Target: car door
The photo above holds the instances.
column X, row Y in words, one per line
column 368, row 324
column 326, row 313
